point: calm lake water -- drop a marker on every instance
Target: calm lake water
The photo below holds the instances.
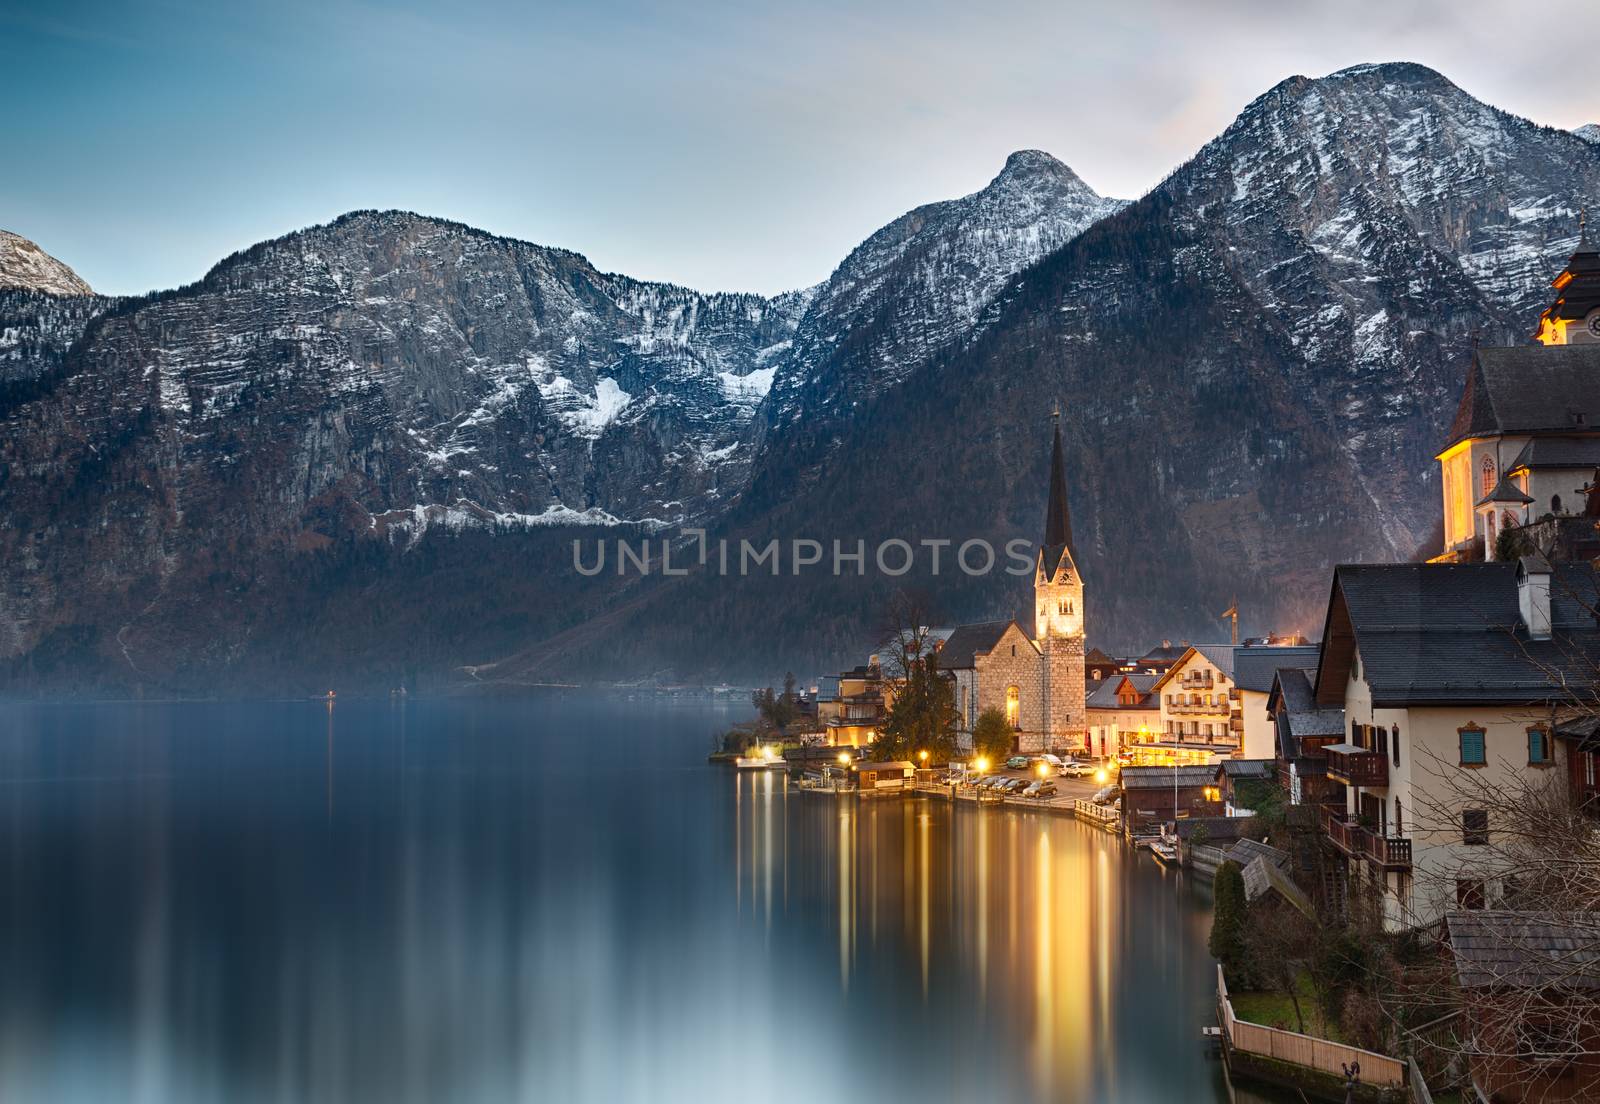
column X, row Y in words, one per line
column 553, row 900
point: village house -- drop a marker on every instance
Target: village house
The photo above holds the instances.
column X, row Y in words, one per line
column 1451, row 679
column 1036, row 679
column 1304, row 729
column 852, row 706
column 1200, row 718
column 1530, row 994
column 1239, row 781
column 1123, row 710
column 1152, row 796
column 1254, row 666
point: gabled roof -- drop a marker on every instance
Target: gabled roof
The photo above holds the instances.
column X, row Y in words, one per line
column 1528, row 389
column 1219, row 655
column 1253, row 668
column 1246, row 850
column 1166, row 653
column 1558, row 454
column 966, row 642
column 1505, row 493
column 1149, row 778
column 1292, row 696
column 1452, row 633
column 1245, row 768
column 1261, row 877
column 1106, row 695
column 1497, row 948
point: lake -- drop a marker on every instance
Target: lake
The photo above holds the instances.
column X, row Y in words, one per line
column 554, row 899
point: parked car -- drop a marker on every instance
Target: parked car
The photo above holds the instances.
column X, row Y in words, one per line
column 1042, row 788
column 1017, row 762
column 1072, row 768
column 1104, row 795
column 1017, row 785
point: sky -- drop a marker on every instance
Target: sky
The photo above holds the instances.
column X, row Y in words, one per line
column 722, row 145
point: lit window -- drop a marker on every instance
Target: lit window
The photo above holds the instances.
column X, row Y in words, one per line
column 1488, row 474
column 1473, row 753
column 1013, row 711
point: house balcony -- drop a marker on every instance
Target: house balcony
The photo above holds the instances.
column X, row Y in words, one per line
column 1357, row 766
column 1389, row 852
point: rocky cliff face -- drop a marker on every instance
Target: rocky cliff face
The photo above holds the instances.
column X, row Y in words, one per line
column 24, row 266
column 380, row 375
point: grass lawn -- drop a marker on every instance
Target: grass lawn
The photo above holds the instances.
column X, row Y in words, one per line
column 1274, row 1009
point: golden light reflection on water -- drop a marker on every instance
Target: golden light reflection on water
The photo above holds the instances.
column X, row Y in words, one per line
column 1026, row 913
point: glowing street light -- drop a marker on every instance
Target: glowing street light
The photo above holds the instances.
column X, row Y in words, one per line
column 1101, row 776
column 844, row 758
column 923, row 755
column 1043, row 770
column 982, row 764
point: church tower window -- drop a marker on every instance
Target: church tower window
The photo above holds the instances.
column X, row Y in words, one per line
column 1487, row 481
column 1013, row 708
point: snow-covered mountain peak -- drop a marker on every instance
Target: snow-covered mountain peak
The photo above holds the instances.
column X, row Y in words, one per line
column 24, row 265
column 1589, row 132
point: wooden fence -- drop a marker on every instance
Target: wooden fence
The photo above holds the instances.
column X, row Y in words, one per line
column 1304, row 1050
column 1098, row 814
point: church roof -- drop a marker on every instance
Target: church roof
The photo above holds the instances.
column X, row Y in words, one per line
column 1057, row 548
column 1578, row 286
column 1505, row 492
column 1544, row 389
column 967, row 642
column 1554, row 453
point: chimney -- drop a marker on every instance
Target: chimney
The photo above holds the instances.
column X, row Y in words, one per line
column 1533, row 595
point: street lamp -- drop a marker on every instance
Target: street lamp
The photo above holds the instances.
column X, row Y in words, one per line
column 1043, row 770
column 923, row 755
column 844, row 758
column 982, row 764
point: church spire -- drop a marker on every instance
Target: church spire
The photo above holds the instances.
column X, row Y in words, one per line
column 1058, row 517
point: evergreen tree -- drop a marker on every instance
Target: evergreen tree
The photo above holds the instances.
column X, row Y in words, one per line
column 992, row 735
column 1229, row 910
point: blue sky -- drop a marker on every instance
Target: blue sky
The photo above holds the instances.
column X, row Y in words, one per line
column 720, row 145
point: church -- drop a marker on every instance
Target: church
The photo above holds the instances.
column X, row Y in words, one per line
column 1036, row 678
column 1524, row 449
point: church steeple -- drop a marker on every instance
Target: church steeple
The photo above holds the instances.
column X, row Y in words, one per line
column 1058, row 515
column 1057, row 586
column 1056, row 551
column 1574, row 318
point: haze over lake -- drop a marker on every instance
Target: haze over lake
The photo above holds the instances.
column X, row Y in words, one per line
column 554, row 899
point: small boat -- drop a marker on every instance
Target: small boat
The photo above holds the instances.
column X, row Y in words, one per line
column 1165, row 853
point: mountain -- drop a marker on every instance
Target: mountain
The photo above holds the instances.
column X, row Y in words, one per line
column 364, row 450
column 24, row 265
column 1255, row 361
column 378, row 376
column 1589, row 132
column 907, row 293
column 369, row 406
